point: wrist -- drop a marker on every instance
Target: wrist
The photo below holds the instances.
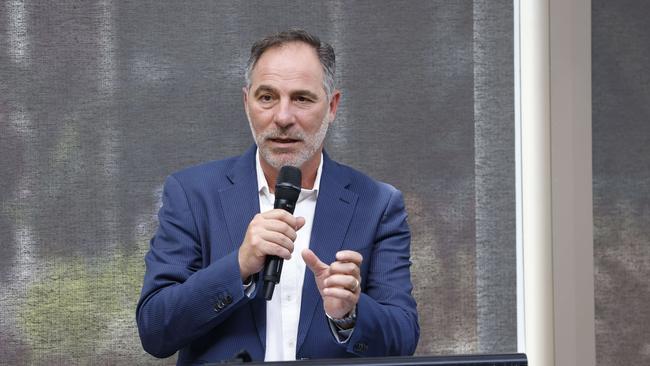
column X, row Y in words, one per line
column 244, row 274
column 243, row 271
column 346, row 322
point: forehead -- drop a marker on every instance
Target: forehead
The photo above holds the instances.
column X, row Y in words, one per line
column 291, row 62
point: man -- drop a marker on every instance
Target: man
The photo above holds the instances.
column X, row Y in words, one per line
column 202, row 291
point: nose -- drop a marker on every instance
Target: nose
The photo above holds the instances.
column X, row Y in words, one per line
column 284, row 115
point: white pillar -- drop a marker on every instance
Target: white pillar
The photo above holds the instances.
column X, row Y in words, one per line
column 556, row 295
column 535, row 170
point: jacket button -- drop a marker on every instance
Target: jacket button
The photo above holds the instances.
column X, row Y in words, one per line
column 228, row 299
column 360, row 347
column 219, row 306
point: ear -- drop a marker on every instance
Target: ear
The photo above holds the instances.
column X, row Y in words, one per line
column 334, row 104
column 245, row 98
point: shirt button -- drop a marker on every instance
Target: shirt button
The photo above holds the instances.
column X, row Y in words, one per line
column 288, row 297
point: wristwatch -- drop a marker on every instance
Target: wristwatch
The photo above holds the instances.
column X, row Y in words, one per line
column 347, row 322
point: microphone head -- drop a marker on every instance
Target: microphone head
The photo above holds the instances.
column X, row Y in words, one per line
column 291, row 175
column 287, row 187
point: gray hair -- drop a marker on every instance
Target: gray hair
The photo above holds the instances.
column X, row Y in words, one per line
column 324, row 51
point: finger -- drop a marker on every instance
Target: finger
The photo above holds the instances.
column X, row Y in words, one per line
column 269, row 248
column 347, row 282
column 345, row 268
column 313, row 262
column 349, row 256
column 280, row 227
column 282, row 215
column 300, row 222
column 341, row 294
column 278, row 239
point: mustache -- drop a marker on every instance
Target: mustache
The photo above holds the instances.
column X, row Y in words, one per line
column 282, row 134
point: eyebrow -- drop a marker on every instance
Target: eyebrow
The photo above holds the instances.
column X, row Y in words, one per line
column 305, row 93
column 269, row 89
column 264, row 88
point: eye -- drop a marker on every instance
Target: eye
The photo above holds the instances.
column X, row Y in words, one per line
column 266, row 98
column 303, row 99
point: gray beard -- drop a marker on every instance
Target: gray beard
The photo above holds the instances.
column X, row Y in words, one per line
column 313, row 145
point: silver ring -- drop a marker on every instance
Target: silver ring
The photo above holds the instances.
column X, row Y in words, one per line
column 356, row 286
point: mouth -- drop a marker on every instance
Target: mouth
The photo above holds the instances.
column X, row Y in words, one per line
column 283, row 140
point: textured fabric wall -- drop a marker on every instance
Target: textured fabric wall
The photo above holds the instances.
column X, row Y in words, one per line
column 100, row 100
column 621, row 168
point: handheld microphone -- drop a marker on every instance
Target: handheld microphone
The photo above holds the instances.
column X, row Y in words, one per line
column 287, row 190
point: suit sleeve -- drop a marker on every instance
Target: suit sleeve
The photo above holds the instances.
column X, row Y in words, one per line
column 180, row 300
column 387, row 321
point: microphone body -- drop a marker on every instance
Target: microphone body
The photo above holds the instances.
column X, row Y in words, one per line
column 287, row 190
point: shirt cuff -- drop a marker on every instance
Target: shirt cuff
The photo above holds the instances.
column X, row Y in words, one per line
column 249, row 287
column 340, row 334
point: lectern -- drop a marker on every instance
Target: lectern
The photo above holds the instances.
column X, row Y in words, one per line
column 513, row 359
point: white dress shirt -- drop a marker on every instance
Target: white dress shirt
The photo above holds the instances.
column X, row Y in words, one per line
column 283, row 311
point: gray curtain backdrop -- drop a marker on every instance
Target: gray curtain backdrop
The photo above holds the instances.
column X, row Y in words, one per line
column 100, row 100
column 621, row 182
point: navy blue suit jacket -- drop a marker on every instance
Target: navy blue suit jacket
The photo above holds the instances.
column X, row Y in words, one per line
column 192, row 298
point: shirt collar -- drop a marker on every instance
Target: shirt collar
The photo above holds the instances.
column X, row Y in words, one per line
column 263, row 185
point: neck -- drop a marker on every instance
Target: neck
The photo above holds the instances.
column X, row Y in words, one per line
column 309, row 170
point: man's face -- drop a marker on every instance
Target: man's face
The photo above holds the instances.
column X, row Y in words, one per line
column 287, row 106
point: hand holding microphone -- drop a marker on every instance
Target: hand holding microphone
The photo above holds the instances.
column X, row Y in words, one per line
column 270, row 235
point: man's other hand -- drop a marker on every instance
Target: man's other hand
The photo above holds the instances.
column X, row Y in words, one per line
column 269, row 233
column 338, row 283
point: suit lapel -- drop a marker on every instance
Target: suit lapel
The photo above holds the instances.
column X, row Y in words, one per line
column 240, row 202
column 334, row 209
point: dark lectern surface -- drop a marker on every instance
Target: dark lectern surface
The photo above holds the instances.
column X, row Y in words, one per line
column 514, row 359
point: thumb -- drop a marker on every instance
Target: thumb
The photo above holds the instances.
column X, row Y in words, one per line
column 312, row 261
column 300, row 222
